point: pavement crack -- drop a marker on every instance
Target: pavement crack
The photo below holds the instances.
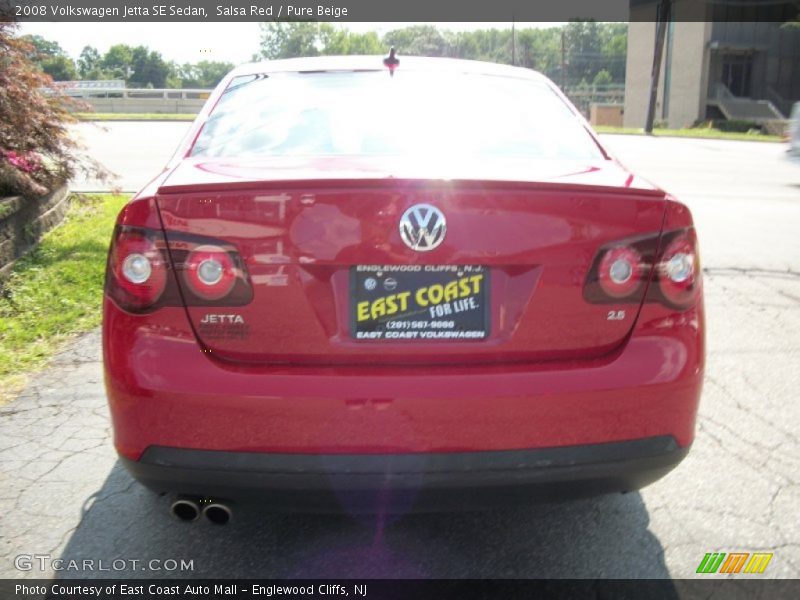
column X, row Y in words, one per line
column 752, row 272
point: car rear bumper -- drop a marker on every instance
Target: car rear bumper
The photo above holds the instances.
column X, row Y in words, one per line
column 399, row 481
column 187, row 422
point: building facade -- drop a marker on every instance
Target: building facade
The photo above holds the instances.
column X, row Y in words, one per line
column 746, row 70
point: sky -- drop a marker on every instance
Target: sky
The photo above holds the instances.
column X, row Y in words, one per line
column 193, row 42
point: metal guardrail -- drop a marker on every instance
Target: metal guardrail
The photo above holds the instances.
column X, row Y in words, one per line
column 94, row 84
column 584, row 97
column 137, row 94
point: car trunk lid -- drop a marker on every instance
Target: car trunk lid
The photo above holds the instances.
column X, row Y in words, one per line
column 304, row 226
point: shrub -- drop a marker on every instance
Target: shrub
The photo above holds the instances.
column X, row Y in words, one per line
column 603, row 78
column 736, row 126
column 37, row 152
column 729, row 125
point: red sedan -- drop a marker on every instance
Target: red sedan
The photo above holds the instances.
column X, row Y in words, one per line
column 380, row 285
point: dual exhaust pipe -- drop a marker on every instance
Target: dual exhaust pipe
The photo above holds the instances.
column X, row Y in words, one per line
column 186, row 508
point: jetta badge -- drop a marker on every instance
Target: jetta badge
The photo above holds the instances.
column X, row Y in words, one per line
column 423, row 227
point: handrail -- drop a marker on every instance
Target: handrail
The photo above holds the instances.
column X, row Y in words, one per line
column 721, row 92
column 783, row 105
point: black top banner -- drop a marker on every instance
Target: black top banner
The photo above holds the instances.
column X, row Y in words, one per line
column 393, row 10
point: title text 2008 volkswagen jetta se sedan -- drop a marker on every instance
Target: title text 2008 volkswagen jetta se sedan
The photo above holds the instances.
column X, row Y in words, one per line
column 421, row 285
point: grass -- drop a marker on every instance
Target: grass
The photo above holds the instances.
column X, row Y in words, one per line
column 694, row 132
column 135, row 116
column 55, row 291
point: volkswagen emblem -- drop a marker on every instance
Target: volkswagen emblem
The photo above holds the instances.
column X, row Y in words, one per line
column 423, row 227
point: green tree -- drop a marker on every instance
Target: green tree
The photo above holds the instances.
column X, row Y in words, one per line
column 139, row 66
column 50, row 57
column 417, row 40
column 602, row 78
column 344, row 42
column 584, row 48
column 539, row 49
column 118, row 61
column 205, row 74
column 42, row 47
column 492, row 45
column 89, row 62
column 293, row 39
column 615, row 50
column 149, row 68
column 60, row 68
column 590, row 47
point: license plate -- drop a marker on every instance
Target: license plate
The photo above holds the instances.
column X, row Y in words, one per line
column 419, row 302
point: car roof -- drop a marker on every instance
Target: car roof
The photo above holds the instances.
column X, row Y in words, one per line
column 374, row 62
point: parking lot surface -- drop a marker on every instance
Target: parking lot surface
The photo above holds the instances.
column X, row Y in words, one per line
column 64, row 494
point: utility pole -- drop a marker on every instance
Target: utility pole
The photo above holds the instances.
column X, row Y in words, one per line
column 663, row 12
column 513, row 43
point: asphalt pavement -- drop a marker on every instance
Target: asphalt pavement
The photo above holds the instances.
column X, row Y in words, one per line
column 64, row 495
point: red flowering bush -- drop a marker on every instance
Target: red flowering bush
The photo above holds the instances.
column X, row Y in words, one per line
column 27, row 163
column 37, row 152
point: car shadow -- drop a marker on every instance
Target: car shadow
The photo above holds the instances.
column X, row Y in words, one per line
column 604, row 537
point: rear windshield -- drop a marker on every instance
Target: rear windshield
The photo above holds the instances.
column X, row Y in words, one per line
column 413, row 114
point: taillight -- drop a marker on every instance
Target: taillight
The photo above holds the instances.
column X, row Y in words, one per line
column 210, row 272
column 621, row 269
column 678, row 270
column 137, row 268
column 141, row 259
